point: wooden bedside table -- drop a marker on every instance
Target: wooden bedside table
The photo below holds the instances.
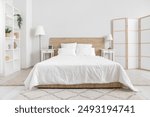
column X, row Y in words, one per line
column 46, row 51
column 108, row 53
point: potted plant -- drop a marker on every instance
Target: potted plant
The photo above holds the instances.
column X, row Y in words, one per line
column 19, row 20
column 7, row 32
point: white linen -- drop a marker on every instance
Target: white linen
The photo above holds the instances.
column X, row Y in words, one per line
column 85, row 51
column 68, row 45
column 67, row 51
column 77, row 70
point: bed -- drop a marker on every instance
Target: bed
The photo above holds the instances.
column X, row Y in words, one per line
column 69, row 71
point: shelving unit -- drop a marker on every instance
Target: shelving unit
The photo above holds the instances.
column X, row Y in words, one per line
column 11, row 43
column 125, row 43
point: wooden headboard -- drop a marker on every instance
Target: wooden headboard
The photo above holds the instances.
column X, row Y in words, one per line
column 97, row 42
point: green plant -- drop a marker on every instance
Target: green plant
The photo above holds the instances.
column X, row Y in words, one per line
column 19, row 20
column 8, row 30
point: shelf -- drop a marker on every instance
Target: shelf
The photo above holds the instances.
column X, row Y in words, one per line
column 16, row 39
column 7, row 25
column 9, row 38
column 16, row 9
column 9, row 16
column 16, row 49
column 16, row 29
column 16, row 59
column 9, row 61
column 9, row 49
column 11, row 56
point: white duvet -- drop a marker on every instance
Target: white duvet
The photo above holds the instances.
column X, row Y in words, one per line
column 77, row 70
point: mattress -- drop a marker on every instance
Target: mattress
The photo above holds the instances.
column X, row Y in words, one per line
column 77, row 70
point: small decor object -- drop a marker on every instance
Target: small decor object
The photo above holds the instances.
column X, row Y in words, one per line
column 50, row 47
column 7, row 32
column 109, row 38
column 9, row 46
column 7, row 58
column 15, row 45
column 16, row 35
column 19, row 20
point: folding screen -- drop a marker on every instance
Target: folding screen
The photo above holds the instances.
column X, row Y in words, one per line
column 144, row 42
column 125, row 43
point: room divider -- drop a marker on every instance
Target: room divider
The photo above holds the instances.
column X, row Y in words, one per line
column 125, row 42
column 132, row 42
column 144, row 43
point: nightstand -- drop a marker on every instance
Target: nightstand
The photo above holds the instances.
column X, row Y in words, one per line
column 108, row 53
column 46, row 51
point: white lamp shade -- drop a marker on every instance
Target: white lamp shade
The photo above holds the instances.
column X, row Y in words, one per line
column 39, row 31
column 109, row 37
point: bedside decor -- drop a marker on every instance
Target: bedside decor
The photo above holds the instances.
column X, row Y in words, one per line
column 46, row 51
column 50, row 47
column 109, row 39
column 108, row 53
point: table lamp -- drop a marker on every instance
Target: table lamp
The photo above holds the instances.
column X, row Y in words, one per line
column 109, row 38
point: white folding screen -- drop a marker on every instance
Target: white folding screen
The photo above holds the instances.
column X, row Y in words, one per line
column 119, row 35
column 132, row 33
column 125, row 34
column 144, row 42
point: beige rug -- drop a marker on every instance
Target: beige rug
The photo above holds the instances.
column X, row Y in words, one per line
column 20, row 78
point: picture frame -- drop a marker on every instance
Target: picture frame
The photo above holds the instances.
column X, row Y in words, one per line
column 50, row 47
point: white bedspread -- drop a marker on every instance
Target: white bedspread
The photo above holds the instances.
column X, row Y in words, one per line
column 77, row 70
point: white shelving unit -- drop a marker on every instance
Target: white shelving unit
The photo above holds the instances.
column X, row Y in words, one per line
column 125, row 43
column 2, row 32
column 11, row 49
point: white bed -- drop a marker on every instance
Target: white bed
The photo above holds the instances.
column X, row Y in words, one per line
column 77, row 70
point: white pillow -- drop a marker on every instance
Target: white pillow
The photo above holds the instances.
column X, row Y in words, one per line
column 84, row 45
column 67, row 51
column 68, row 45
column 85, row 51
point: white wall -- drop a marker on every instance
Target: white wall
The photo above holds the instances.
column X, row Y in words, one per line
column 2, row 25
column 83, row 18
column 73, row 18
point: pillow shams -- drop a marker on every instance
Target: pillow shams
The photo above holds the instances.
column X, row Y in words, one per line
column 67, row 51
column 68, row 45
column 85, row 51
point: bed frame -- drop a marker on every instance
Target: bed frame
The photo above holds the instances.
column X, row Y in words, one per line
column 97, row 43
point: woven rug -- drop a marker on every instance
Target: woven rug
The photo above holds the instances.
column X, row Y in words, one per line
column 19, row 78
